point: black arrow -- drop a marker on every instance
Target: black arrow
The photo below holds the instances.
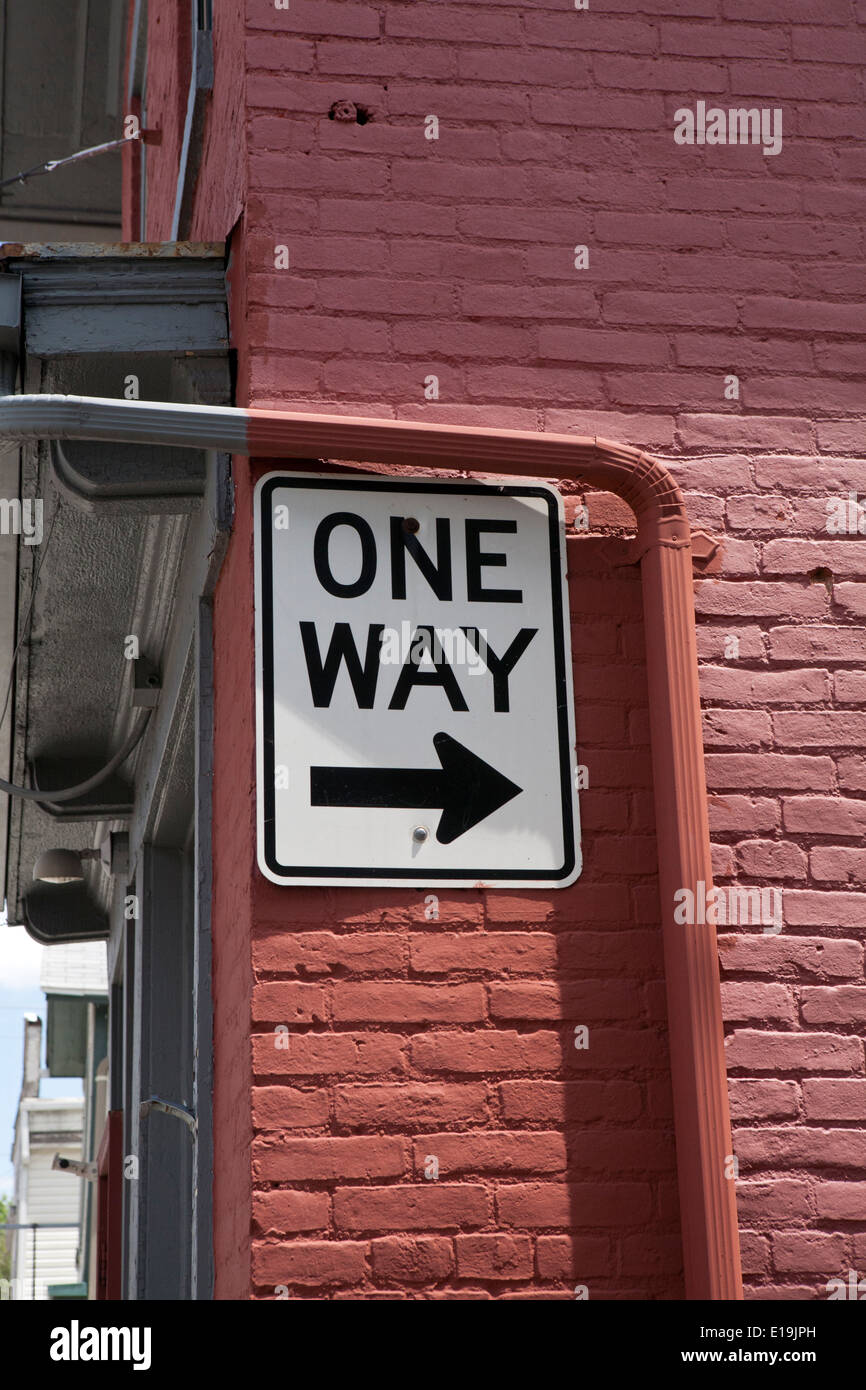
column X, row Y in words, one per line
column 465, row 788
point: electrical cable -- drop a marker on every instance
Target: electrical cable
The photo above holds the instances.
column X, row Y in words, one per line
column 48, row 798
column 72, row 793
column 50, row 165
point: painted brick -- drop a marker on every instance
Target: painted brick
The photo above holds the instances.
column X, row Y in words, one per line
column 788, row 957
column 753, row 1001
column 408, row 22
column 289, row 1003
column 778, row 1293
column 814, row 45
column 415, row 1260
column 716, row 431
column 646, row 307
column 284, row 1107
column 723, row 349
column 291, row 1160
column 787, row 772
column 321, row 1054
column 594, row 999
column 542, row 1205
column 754, row 1253
column 280, row 52
column 765, row 687
column 843, row 1099
column 852, row 773
column 800, row 1147
column 844, row 557
column 409, row 1104
column 648, row 1255
column 851, row 598
column 310, row 1262
column 742, row 813
column 773, row 859
column 740, row 728
column 439, row 1206
column 320, row 16
column 607, row 113
column 758, row 1050
column 763, row 1100
column 499, row 1151
column 607, row 34
column 487, row 1051
column 804, row 908
column 614, row 1151
column 841, row 1201
column 384, row 59
column 573, row 1257
column 323, row 953
column 506, row 952
column 824, row 815
column 842, row 1004
column 545, row 1102
column 838, row 864
column 783, row 1202
column 808, row 1253
column 762, row 600
column 493, row 1257
column 277, row 1212
column 655, row 75
column 722, row 40
column 399, row 1002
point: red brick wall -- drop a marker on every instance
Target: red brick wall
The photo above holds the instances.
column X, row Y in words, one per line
column 169, row 46
column 454, row 1038
column 221, row 185
column 411, row 257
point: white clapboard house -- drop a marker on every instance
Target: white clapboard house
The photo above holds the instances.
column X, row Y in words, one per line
column 53, row 1209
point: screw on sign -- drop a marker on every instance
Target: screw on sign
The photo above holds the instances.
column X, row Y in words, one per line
column 414, row 696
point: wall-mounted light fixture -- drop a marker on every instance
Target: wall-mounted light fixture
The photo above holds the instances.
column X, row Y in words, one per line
column 76, row 1166
column 62, row 865
column 66, row 865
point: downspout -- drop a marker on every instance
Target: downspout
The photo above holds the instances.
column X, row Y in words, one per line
column 700, row 1094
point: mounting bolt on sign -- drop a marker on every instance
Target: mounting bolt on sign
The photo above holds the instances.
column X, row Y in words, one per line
column 415, row 720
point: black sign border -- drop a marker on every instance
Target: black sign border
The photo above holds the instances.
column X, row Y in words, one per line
column 264, row 560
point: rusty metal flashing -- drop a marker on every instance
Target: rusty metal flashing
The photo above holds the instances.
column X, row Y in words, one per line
column 113, row 250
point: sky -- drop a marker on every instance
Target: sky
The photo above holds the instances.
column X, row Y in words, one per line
column 20, row 962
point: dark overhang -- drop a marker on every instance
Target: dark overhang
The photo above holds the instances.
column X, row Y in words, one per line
column 118, row 525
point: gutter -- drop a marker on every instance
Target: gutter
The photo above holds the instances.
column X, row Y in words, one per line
column 701, row 1114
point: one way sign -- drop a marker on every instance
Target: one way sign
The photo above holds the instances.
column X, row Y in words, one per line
column 414, row 712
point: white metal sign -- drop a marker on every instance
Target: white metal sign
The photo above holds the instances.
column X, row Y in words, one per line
column 415, row 721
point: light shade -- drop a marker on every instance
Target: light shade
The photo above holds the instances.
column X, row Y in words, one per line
column 58, row 866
